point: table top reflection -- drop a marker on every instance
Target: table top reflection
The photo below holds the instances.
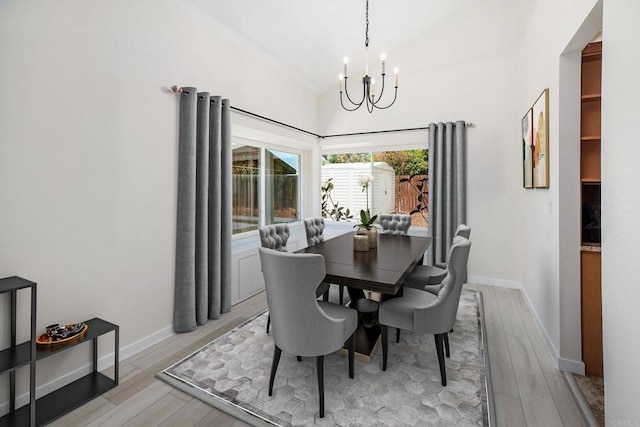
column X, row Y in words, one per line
column 381, row 269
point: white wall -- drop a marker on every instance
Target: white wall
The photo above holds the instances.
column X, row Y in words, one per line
column 88, row 151
column 621, row 204
column 551, row 216
column 462, row 69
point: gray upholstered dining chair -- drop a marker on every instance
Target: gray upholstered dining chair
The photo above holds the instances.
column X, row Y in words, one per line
column 314, row 229
column 275, row 236
column 424, row 312
column 429, row 277
column 303, row 325
column 394, row 223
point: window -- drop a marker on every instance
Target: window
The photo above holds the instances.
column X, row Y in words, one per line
column 399, row 185
column 282, row 184
column 246, row 188
column 266, row 187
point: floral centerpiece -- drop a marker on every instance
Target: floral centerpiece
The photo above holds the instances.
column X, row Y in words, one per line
column 367, row 222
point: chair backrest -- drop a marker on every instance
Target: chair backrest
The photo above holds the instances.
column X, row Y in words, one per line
column 300, row 326
column 449, row 295
column 394, row 223
column 457, row 239
column 275, row 236
column 314, row 227
column 463, row 231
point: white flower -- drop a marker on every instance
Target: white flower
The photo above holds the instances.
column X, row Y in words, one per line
column 364, row 180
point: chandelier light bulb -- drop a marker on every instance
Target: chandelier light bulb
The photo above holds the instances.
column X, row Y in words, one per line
column 396, row 71
column 346, row 61
column 383, row 58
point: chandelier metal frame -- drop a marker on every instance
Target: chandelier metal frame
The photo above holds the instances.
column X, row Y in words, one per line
column 368, row 83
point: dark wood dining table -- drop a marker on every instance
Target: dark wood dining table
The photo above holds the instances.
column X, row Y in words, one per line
column 381, row 269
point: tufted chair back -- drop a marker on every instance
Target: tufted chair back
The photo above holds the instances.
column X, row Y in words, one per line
column 275, row 236
column 314, row 227
column 394, row 223
column 464, row 231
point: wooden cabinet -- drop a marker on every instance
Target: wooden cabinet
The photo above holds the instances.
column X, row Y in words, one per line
column 591, row 297
column 590, row 112
column 590, row 258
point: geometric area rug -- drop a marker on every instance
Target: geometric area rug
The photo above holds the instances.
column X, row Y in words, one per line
column 232, row 374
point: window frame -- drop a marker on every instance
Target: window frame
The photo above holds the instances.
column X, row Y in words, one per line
column 371, row 148
column 262, row 184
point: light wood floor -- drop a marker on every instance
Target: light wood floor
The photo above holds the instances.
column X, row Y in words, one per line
column 528, row 389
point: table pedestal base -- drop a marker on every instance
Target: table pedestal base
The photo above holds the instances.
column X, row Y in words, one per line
column 368, row 331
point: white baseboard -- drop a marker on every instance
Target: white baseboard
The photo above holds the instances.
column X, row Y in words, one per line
column 490, row 281
column 570, row 365
column 142, row 344
column 104, row 362
column 566, row 365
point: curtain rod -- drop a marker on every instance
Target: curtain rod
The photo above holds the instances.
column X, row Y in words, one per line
column 178, row 89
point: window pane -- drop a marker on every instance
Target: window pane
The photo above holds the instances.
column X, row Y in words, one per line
column 399, row 184
column 246, row 188
column 282, row 181
column 402, row 184
column 342, row 195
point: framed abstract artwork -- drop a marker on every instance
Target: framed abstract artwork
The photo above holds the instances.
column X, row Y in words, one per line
column 527, row 150
column 540, row 143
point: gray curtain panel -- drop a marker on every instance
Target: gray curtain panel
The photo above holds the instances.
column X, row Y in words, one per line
column 203, row 232
column 447, row 186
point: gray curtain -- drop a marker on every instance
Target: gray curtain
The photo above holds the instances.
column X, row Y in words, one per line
column 203, row 232
column 447, row 186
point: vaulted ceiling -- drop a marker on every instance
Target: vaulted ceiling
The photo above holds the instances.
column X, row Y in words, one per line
column 310, row 38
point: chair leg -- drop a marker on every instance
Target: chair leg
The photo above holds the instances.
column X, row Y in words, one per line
column 384, row 331
column 446, row 344
column 440, row 350
column 274, row 367
column 268, row 322
column 351, row 346
column 320, row 370
column 397, row 335
column 341, row 292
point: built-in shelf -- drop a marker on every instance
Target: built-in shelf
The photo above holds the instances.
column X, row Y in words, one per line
column 592, row 56
column 592, row 97
column 590, row 174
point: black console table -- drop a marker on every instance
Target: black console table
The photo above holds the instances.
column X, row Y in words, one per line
column 67, row 398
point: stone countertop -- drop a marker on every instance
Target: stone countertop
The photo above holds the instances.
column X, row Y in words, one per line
column 590, row 248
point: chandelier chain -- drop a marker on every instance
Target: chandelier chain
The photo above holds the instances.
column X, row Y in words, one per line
column 366, row 39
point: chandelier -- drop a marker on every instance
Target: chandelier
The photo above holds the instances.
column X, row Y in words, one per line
column 368, row 84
